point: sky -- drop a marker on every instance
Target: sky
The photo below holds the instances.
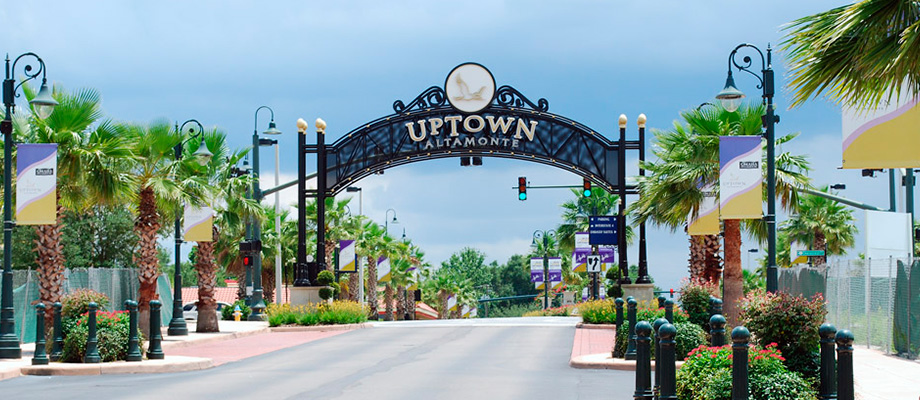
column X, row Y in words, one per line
column 348, row 61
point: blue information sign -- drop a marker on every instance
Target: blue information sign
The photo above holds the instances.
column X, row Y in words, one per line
column 602, row 230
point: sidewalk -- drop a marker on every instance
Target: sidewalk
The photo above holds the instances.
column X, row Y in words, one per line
column 877, row 376
column 236, row 341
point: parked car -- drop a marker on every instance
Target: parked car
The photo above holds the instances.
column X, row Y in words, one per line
column 190, row 310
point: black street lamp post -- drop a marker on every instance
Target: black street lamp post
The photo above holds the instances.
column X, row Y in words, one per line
column 386, row 220
column 731, row 97
column 43, row 105
column 257, row 302
column 545, row 236
column 177, row 325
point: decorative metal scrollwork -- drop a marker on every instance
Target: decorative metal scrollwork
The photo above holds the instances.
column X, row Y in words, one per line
column 27, row 69
column 508, row 96
column 430, row 98
column 746, row 62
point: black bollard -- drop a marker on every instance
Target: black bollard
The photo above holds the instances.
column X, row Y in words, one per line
column 643, row 361
column 657, row 326
column 631, row 329
column 717, row 330
column 715, row 306
column 661, row 300
column 669, row 310
column 844, row 341
column 667, row 388
column 40, row 357
column 92, row 352
column 740, row 338
column 828, row 388
column 57, row 344
column 134, row 348
column 155, row 352
column 619, row 320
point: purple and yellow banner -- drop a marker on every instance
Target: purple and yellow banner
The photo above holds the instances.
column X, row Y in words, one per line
column 36, row 184
column 706, row 221
column 383, row 270
column 555, row 272
column 536, row 272
column 740, row 177
column 884, row 137
column 198, row 224
column 580, row 259
column 347, row 258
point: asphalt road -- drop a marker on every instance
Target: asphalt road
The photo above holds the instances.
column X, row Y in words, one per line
column 479, row 359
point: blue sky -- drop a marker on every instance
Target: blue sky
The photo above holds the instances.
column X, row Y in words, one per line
column 347, row 62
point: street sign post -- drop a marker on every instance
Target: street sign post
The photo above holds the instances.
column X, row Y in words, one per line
column 602, row 230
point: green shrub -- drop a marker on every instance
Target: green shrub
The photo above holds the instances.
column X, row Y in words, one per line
column 561, row 311
column 227, row 312
column 598, row 312
column 791, row 322
column 326, row 293
column 694, row 301
column 689, row 336
column 512, row 310
column 620, row 342
column 324, row 278
column 337, row 312
column 706, row 375
column 77, row 302
column 112, row 332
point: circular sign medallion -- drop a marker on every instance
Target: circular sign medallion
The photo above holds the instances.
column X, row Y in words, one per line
column 470, row 87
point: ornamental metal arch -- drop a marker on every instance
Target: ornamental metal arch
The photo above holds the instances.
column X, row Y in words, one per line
column 468, row 116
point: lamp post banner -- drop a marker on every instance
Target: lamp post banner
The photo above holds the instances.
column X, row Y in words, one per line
column 582, row 240
column 706, row 220
column 383, row 270
column 198, row 224
column 536, row 272
column 555, row 272
column 36, row 186
column 740, row 177
column 580, row 259
column 347, row 259
column 883, row 137
column 452, row 302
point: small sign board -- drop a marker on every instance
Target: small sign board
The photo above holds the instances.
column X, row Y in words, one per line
column 810, row 253
column 594, row 263
column 602, row 230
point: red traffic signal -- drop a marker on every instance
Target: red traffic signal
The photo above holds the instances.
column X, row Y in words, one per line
column 247, row 261
column 522, row 188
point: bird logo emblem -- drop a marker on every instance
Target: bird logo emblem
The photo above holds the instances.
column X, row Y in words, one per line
column 465, row 93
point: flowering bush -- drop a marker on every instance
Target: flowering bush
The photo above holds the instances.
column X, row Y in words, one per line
column 77, row 302
column 604, row 312
column 337, row 312
column 694, row 300
column 790, row 321
column 112, row 333
column 706, row 375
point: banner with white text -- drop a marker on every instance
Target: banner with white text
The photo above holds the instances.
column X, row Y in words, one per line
column 198, row 224
column 536, row 272
column 555, row 272
column 36, row 184
column 347, row 259
column 706, row 221
column 383, row 270
column 740, row 177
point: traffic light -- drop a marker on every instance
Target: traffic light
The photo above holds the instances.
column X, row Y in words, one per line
column 586, row 188
column 522, row 188
column 247, row 260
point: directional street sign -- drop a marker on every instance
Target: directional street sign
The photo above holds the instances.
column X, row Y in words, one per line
column 602, row 230
column 809, row 253
column 594, row 263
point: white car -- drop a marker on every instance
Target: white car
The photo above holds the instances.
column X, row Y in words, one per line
column 190, row 310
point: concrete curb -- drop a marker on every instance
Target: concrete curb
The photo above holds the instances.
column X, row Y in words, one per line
column 582, row 325
column 604, row 361
column 320, row 328
column 170, row 364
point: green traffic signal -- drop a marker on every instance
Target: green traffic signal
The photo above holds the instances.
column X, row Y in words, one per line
column 586, row 186
column 522, row 196
column 587, row 193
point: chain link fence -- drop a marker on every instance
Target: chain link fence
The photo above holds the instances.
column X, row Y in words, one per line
column 878, row 300
column 119, row 284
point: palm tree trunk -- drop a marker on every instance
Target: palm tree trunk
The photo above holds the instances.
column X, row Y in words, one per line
column 400, row 303
column 388, row 301
column 697, row 259
column 353, row 280
column 146, row 226
column 372, row 286
column 712, row 269
column 733, row 281
column 50, row 263
column 410, row 304
column 444, row 313
column 820, row 244
column 207, row 281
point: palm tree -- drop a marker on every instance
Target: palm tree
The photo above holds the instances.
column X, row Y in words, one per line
column 822, row 224
column 92, row 159
column 575, row 215
column 336, row 221
column 689, row 160
column 370, row 243
column 857, row 54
